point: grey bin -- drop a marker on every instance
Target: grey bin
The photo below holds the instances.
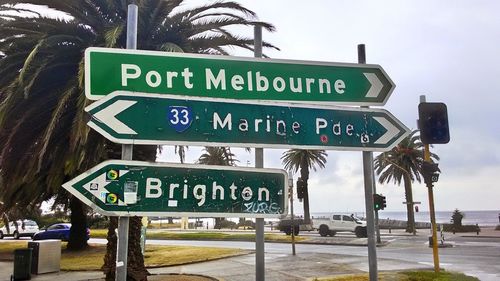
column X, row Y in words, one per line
column 46, row 256
column 22, row 264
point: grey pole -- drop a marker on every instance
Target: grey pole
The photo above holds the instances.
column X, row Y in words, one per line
column 368, row 179
column 290, row 185
column 127, row 149
column 259, row 163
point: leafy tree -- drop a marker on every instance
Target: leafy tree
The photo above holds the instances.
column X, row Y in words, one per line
column 294, row 159
column 44, row 139
column 403, row 164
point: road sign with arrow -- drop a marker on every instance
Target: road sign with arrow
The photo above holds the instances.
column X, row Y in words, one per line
column 144, row 118
column 134, row 188
column 108, row 70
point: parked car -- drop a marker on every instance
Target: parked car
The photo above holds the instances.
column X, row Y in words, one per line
column 56, row 231
column 297, row 224
column 24, row 228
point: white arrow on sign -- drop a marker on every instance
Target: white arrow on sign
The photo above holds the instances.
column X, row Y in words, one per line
column 108, row 116
column 392, row 130
column 375, row 85
column 97, row 187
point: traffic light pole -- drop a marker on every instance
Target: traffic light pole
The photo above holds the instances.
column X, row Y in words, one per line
column 290, row 185
column 377, row 227
column 435, row 254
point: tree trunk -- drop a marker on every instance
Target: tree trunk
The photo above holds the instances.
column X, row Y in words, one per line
column 136, row 270
column 109, row 265
column 410, row 224
column 304, row 174
column 78, row 232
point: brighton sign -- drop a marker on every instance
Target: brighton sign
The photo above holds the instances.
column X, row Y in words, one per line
column 134, row 188
column 108, row 70
column 143, row 118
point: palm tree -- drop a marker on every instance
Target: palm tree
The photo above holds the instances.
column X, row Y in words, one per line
column 217, row 156
column 44, row 139
column 294, row 159
column 403, row 163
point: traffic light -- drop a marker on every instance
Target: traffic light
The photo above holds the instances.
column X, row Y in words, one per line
column 301, row 186
column 430, row 172
column 433, row 122
column 379, row 202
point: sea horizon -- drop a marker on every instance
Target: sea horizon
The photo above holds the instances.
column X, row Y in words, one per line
column 482, row 218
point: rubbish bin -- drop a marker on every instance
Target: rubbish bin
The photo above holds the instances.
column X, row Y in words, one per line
column 22, row 264
column 430, row 241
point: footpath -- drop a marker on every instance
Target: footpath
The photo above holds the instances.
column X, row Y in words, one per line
column 283, row 266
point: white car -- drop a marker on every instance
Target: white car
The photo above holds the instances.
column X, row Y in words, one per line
column 25, row 228
column 337, row 223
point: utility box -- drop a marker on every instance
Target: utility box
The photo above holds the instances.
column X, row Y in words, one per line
column 46, row 256
column 22, row 264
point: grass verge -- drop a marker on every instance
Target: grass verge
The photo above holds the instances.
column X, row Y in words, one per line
column 203, row 235
column 155, row 256
column 421, row 275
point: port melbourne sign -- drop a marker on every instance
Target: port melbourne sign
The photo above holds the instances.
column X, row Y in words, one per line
column 108, row 70
column 134, row 188
column 144, row 118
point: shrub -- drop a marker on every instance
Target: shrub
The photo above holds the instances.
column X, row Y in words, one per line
column 463, row 228
column 248, row 223
column 227, row 224
column 456, row 218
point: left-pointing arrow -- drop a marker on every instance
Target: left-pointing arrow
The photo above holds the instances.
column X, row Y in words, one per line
column 108, row 116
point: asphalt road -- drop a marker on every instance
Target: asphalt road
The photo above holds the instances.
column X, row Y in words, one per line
column 471, row 255
column 476, row 256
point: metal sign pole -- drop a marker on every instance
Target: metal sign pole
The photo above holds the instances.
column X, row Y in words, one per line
column 259, row 163
column 127, row 150
column 368, row 179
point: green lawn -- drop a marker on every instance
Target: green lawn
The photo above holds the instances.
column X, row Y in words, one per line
column 203, row 235
column 422, row 275
column 155, row 256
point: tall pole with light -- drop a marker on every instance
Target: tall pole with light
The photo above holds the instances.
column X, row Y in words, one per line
column 433, row 125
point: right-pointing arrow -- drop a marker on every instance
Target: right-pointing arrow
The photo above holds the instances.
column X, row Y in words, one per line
column 375, row 85
column 108, row 116
column 391, row 130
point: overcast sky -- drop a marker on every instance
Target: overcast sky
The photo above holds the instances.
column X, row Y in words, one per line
column 447, row 50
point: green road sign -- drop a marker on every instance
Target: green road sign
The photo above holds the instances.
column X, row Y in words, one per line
column 134, row 188
column 109, row 70
column 143, row 118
